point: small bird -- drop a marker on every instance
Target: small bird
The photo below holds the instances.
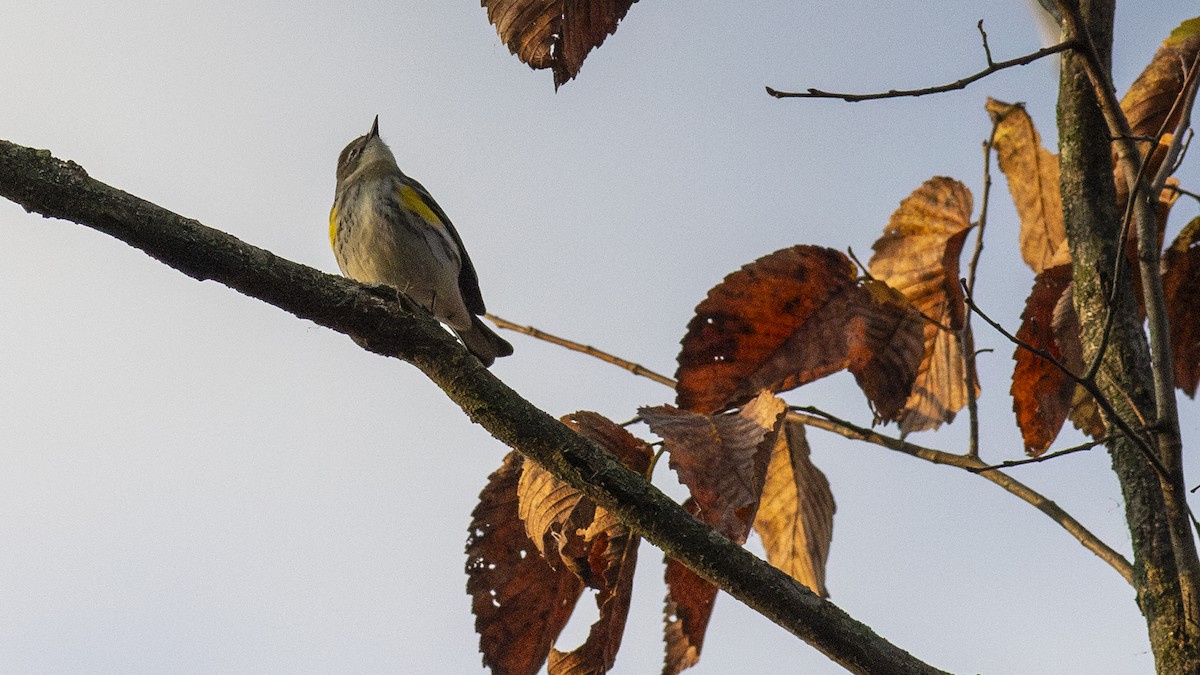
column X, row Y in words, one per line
column 386, row 229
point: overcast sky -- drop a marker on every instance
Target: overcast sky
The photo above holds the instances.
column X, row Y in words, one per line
column 192, row 481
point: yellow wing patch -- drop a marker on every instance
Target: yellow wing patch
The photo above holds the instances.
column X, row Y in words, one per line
column 413, row 202
column 333, row 226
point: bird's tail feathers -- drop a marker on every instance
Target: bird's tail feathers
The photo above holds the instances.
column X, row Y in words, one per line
column 483, row 342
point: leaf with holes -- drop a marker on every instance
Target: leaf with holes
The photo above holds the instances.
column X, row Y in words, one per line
column 1032, row 174
column 792, row 317
column 688, row 608
column 1181, row 286
column 795, row 519
column 555, row 34
column 520, row 603
column 918, row 255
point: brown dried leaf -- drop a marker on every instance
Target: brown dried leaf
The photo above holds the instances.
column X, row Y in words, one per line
column 722, row 460
column 1032, row 173
column 792, row 317
column 887, row 343
column 612, row 558
column 520, row 603
column 556, row 34
column 688, row 608
column 1148, row 102
column 1181, row 286
column 630, row 450
column 1043, row 396
column 553, row 513
column 918, row 255
column 1152, row 95
column 609, row 553
column 1084, row 412
column 795, row 519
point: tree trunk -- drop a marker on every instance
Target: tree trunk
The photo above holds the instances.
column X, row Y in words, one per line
column 1093, row 229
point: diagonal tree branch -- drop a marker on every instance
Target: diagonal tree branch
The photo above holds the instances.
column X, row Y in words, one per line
column 40, row 183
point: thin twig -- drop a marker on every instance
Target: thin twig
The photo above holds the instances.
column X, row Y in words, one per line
column 1018, row 489
column 1174, row 152
column 834, row 425
column 1105, row 405
column 586, row 349
column 1184, row 192
column 993, row 67
column 1044, row 458
column 967, row 337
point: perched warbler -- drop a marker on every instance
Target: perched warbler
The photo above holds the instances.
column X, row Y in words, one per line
column 386, row 229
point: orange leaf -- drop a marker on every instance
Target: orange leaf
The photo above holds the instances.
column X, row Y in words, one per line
column 1181, row 285
column 887, row 344
column 1083, row 413
column 1148, row 102
column 918, row 256
column 611, row 556
column 795, row 519
column 1032, row 173
column 553, row 513
column 1152, row 95
column 520, row 603
column 1043, row 396
column 556, row 34
column 722, row 459
column 792, row 317
column 688, row 608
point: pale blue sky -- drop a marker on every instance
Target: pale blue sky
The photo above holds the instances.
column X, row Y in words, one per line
column 193, row 481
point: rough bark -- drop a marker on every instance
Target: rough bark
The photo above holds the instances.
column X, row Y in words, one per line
column 54, row 188
column 1093, row 228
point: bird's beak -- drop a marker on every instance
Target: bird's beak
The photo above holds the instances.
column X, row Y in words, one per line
column 374, row 133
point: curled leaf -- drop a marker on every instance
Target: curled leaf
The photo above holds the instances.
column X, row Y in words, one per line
column 610, row 555
column 1043, row 396
column 918, row 255
column 612, row 559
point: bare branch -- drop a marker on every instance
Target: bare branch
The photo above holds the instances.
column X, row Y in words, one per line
column 584, row 349
column 968, row 337
column 993, row 67
column 1043, row 458
column 1085, row 537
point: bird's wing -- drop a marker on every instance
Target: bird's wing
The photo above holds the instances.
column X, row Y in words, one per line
column 468, row 281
